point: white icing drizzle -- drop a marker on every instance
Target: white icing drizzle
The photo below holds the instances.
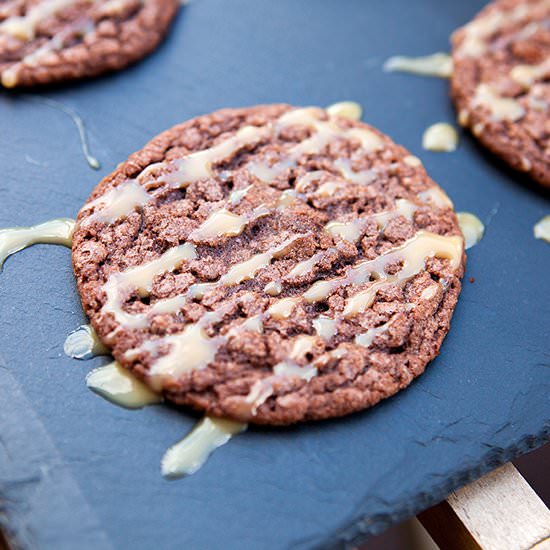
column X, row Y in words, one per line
column 225, row 223
column 325, row 132
column 117, row 385
column 413, row 161
column 527, row 75
column 140, row 278
column 24, row 27
column 188, row 455
column 440, row 137
column 501, row 108
column 438, row 65
column 239, row 194
column 541, row 230
column 325, row 327
column 84, row 343
column 477, row 32
column 116, row 203
column 412, row 253
column 346, row 109
column 436, row 196
column 288, row 368
column 352, row 231
column 199, row 165
column 472, row 228
column 282, row 309
column 10, row 76
column 78, row 122
column 366, row 339
column 14, row 239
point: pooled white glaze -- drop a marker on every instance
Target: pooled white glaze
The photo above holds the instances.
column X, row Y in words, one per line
column 189, row 454
column 438, row 65
column 440, row 137
column 541, row 230
column 14, row 239
column 117, row 385
column 472, row 228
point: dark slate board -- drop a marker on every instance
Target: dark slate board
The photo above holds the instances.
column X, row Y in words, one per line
column 77, row 472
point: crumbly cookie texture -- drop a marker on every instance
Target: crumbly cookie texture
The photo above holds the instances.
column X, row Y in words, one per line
column 500, row 82
column 270, row 264
column 49, row 41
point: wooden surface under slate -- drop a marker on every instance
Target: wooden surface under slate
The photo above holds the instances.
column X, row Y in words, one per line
column 77, row 472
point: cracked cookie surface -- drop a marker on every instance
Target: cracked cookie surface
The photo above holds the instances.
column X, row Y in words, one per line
column 501, row 82
column 270, row 264
column 50, row 41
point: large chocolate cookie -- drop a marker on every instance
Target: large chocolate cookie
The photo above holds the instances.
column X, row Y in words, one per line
column 48, row 41
column 500, row 82
column 270, row 264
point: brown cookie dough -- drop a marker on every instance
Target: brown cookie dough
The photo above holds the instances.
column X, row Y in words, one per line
column 500, row 83
column 47, row 41
column 270, row 264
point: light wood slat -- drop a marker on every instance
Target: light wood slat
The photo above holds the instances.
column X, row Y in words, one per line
column 500, row 511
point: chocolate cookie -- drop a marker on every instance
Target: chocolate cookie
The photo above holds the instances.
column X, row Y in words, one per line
column 500, row 83
column 48, row 41
column 270, row 264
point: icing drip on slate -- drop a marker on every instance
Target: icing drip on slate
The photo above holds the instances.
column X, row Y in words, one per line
column 440, row 137
column 438, row 65
column 472, row 228
column 78, row 122
column 117, row 385
column 84, row 343
column 188, row 455
column 14, row 239
column 541, row 230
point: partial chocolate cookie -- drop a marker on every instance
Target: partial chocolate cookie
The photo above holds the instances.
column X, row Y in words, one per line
column 500, row 83
column 270, row 264
column 48, row 41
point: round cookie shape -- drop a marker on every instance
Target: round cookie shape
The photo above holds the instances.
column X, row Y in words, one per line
column 500, row 83
column 50, row 41
column 270, row 264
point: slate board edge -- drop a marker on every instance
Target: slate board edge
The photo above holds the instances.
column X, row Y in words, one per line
column 360, row 529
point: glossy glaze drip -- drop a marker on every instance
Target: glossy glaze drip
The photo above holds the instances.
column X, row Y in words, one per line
column 437, row 64
column 188, row 455
column 117, row 385
column 472, row 228
column 346, row 109
column 501, row 108
column 77, row 121
column 541, row 230
column 440, row 137
column 84, row 343
column 413, row 254
column 14, row 239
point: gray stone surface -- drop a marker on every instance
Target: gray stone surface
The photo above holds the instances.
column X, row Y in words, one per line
column 482, row 402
